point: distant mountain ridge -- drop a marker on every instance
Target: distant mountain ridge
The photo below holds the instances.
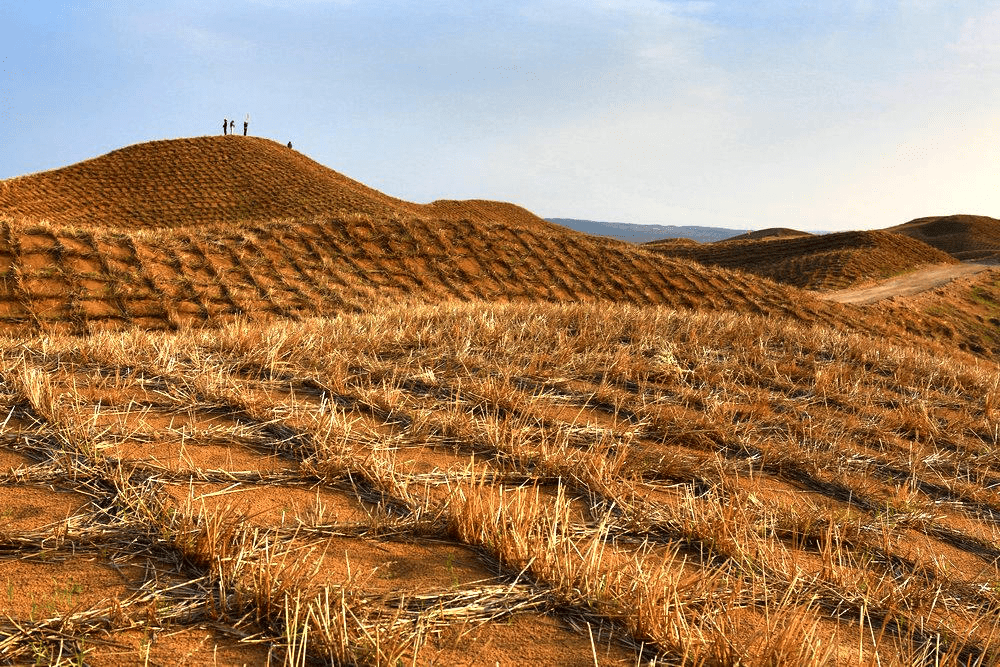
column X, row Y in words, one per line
column 625, row 231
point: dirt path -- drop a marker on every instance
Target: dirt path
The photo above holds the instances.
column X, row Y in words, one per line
column 915, row 282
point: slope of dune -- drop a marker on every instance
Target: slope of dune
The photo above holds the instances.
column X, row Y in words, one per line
column 966, row 237
column 79, row 278
column 827, row 262
column 203, row 180
column 151, row 237
column 964, row 312
column 199, row 230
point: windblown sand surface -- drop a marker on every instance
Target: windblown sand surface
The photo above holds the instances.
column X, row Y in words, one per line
column 473, row 483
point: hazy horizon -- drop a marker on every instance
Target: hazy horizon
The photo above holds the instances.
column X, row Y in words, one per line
column 850, row 115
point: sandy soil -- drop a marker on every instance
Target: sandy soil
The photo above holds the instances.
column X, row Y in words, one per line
column 915, row 282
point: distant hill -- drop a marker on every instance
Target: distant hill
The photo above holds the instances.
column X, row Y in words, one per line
column 770, row 233
column 966, row 237
column 827, row 262
column 633, row 233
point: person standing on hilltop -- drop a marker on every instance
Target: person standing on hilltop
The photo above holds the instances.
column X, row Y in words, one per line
column 225, row 124
column 246, row 123
column 232, row 127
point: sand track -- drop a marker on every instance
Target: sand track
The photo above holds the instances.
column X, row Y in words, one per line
column 909, row 284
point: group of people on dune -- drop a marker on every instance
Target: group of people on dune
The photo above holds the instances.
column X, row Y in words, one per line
column 229, row 126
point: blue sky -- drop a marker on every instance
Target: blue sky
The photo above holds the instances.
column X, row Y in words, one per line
column 844, row 114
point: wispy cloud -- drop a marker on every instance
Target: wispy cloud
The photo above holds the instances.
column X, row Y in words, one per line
column 656, row 36
column 203, row 40
column 786, row 113
column 978, row 43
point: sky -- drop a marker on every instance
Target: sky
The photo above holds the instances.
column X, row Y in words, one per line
column 840, row 114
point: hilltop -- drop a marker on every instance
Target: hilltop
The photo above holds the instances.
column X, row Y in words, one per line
column 827, row 262
column 206, row 180
column 966, row 237
column 769, row 233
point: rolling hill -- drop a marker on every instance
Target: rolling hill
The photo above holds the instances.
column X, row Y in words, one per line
column 201, row 230
column 769, row 233
column 208, row 180
column 966, row 237
column 827, row 262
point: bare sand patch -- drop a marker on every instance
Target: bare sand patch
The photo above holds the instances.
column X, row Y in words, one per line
column 32, row 508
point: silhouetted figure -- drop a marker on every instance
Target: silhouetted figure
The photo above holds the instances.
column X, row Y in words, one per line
column 289, row 144
column 246, row 123
column 225, row 124
column 232, row 127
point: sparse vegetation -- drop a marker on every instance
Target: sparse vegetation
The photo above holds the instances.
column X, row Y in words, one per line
column 321, row 425
column 693, row 487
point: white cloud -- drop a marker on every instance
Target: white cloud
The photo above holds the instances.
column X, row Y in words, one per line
column 653, row 30
column 978, row 42
column 203, row 40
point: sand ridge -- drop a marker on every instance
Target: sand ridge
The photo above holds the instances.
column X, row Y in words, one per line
column 966, row 237
column 825, row 262
column 198, row 231
column 203, row 180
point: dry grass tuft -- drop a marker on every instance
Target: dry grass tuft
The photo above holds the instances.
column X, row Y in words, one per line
column 692, row 487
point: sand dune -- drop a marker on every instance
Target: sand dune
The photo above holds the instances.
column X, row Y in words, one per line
column 201, row 230
column 827, row 262
column 966, row 237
